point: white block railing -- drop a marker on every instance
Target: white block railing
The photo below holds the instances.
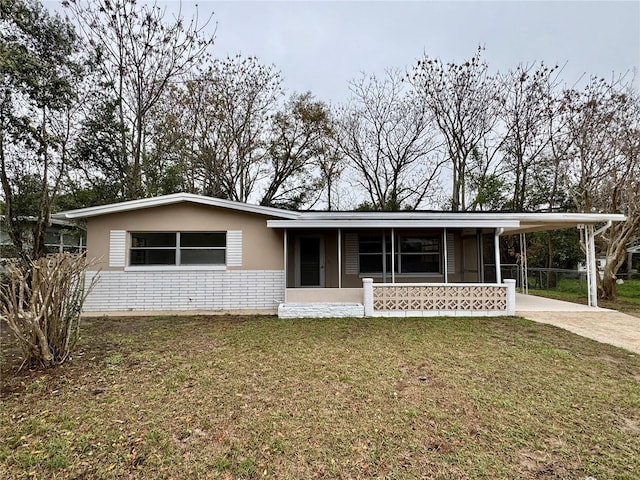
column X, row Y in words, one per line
column 427, row 299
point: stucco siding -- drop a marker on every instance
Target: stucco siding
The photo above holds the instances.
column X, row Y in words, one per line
column 261, row 246
column 119, row 291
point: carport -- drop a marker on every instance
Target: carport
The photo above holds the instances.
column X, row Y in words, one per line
column 586, row 223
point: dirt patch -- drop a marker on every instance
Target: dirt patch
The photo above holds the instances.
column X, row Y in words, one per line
column 630, row 425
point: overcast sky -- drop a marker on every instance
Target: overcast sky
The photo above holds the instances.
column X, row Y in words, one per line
column 320, row 46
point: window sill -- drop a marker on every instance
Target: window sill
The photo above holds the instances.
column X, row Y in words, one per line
column 172, row 268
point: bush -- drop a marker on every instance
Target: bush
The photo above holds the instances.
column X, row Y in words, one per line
column 42, row 305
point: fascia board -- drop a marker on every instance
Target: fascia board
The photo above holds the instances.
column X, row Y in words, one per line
column 416, row 223
column 577, row 218
column 171, row 199
column 538, row 223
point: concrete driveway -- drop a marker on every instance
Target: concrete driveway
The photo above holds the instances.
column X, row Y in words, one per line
column 600, row 324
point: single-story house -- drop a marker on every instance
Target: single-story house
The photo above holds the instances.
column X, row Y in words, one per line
column 60, row 236
column 192, row 253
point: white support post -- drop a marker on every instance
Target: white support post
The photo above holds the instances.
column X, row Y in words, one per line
column 339, row 258
column 592, row 270
column 446, row 255
column 286, row 255
column 496, row 246
column 367, row 287
column 393, row 256
column 511, row 296
column 480, row 250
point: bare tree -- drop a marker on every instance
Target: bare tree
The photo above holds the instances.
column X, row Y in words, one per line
column 386, row 137
column 138, row 54
column 233, row 104
column 331, row 164
column 603, row 162
column 463, row 100
column 528, row 112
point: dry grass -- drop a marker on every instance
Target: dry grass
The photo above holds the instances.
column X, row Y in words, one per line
column 258, row 397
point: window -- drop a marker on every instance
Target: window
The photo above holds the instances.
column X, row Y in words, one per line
column 372, row 249
column 414, row 254
column 419, row 254
column 178, row 248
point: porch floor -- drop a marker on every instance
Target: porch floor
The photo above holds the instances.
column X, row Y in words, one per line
column 532, row 303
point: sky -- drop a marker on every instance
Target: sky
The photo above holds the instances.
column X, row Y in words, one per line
column 320, row 46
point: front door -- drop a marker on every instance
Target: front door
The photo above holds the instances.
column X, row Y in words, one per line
column 310, row 271
column 470, row 259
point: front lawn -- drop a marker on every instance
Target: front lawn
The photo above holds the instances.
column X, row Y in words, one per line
column 258, row 397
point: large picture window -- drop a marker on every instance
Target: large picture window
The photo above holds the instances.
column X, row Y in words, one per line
column 178, row 248
column 414, row 254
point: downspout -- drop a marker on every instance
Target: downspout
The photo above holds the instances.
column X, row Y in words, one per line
column 603, row 229
column 496, row 246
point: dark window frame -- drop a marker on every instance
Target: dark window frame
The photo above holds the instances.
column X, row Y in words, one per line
column 384, row 240
column 177, row 250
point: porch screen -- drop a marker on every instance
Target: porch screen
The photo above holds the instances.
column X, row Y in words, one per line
column 414, row 254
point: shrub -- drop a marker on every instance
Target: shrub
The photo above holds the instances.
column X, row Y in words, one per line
column 41, row 305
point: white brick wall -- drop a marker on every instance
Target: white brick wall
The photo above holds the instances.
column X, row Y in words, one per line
column 320, row 310
column 119, row 291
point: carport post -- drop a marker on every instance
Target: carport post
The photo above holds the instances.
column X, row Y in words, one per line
column 496, row 245
column 286, row 253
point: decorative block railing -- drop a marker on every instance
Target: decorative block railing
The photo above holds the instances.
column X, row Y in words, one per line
column 479, row 298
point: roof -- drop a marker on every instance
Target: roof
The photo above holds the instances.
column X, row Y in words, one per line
column 52, row 221
column 172, row 199
column 508, row 222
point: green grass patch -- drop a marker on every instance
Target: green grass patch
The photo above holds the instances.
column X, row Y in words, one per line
column 259, row 397
column 572, row 290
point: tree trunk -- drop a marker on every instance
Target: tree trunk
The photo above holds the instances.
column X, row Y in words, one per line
column 608, row 285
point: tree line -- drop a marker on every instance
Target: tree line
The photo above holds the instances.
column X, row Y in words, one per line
column 118, row 101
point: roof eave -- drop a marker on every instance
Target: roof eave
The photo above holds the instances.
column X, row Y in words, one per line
column 392, row 223
column 173, row 199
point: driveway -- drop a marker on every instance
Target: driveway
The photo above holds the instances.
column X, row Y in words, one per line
column 600, row 324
